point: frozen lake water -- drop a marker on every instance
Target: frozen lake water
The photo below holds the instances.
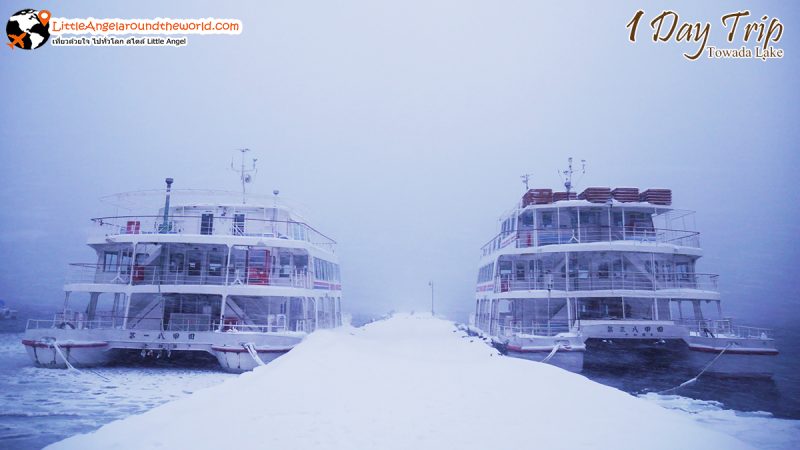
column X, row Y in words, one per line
column 42, row 406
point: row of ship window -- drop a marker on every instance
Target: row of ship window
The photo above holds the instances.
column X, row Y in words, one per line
column 604, row 269
column 570, row 219
column 192, row 263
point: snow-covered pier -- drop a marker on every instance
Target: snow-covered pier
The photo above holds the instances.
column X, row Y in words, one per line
column 409, row 382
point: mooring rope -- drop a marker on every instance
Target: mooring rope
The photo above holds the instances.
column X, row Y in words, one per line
column 552, row 353
column 251, row 348
column 63, row 356
column 70, row 366
column 692, row 380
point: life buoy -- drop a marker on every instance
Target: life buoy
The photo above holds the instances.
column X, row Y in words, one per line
column 65, row 325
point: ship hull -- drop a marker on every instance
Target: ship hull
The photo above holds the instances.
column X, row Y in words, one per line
column 88, row 348
column 566, row 352
column 78, row 353
column 567, row 360
column 240, row 360
column 732, row 356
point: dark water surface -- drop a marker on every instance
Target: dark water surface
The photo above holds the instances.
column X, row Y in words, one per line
column 779, row 396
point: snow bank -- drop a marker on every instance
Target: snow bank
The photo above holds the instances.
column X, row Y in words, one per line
column 409, row 382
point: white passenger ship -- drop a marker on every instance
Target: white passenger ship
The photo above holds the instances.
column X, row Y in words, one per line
column 237, row 276
column 610, row 274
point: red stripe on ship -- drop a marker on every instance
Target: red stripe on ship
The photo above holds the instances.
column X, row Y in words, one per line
column 243, row 350
column 487, row 286
column 734, row 351
column 38, row 344
column 518, row 349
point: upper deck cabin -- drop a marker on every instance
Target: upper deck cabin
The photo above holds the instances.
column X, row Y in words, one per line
column 195, row 214
column 205, row 238
column 598, row 214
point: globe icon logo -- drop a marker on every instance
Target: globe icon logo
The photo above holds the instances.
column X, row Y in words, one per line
column 28, row 29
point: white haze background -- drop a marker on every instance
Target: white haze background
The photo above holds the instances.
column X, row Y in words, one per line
column 403, row 127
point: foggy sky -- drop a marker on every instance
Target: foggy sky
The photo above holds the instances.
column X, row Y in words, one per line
column 403, row 127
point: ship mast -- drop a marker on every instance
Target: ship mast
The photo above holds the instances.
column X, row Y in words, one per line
column 245, row 173
column 569, row 172
column 525, row 179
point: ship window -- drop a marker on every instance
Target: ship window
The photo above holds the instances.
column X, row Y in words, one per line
column 284, row 258
column 176, row 263
column 194, row 264
column 215, row 265
column 206, row 224
column 125, row 261
column 298, row 231
column 526, row 219
column 110, row 262
column 238, row 224
column 682, row 271
column 617, row 267
column 547, row 220
column 602, row 270
column 285, row 264
column 590, row 217
column 520, row 275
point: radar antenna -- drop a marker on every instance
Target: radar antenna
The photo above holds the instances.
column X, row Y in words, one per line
column 567, row 174
column 525, row 178
column 245, row 173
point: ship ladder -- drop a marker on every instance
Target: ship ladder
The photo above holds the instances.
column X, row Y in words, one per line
column 251, row 348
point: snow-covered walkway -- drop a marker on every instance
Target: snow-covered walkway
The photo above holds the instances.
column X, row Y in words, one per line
column 409, row 382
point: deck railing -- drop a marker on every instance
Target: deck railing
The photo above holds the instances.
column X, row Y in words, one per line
column 535, row 328
column 75, row 320
column 723, row 327
column 276, row 323
column 550, row 236
column 219, row 225
column 645, row 282
column 157, row 275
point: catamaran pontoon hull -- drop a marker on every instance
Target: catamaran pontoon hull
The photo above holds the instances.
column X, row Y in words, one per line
column 48, row 353
column 732, row 356
column 92, row 347
column 566, row 356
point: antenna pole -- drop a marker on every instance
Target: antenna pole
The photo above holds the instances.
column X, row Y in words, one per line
column 244, row 173
column 525, row 178
column 568, row 176
column 569, row 172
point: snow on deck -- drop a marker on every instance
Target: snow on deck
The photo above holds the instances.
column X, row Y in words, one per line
column 409, row 382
